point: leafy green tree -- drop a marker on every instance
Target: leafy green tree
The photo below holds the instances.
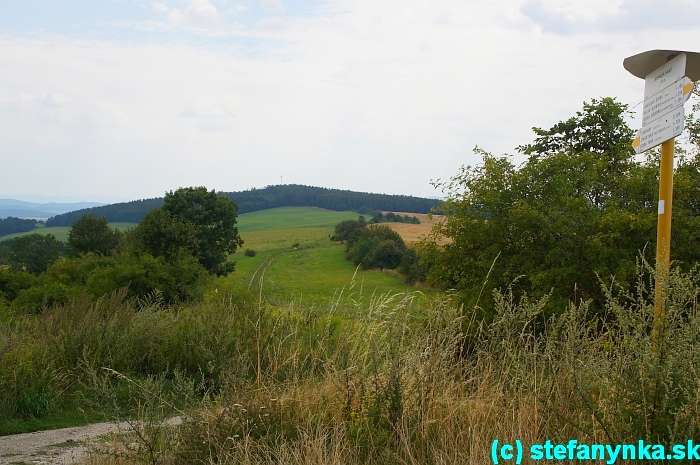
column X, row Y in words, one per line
column 215, row 220
column 92, row 234
column 163, row 235
column 580, row 209
column 34, row 252
column 177, row 280
column 12, row 282
column 376, row 246
column 349, row 229
column 11, row 225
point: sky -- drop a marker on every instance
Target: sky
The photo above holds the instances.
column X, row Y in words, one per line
column 112, row 100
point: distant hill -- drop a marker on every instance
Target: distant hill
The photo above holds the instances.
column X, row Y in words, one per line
column 289, row 195
column 39, row 211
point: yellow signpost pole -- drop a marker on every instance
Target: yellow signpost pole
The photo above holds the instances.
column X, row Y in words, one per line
column 663, row 237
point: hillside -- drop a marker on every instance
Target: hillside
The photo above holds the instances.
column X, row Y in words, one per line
column 290, row 195
column 40, row 211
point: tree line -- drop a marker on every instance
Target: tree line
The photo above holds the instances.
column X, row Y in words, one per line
column 11, row 225
column 172, row 251
column 288, row 195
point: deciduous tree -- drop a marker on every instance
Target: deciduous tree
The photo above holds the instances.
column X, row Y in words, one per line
column 92, row 234
column 214, row 217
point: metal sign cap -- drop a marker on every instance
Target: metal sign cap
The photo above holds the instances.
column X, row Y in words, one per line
column 644, row 63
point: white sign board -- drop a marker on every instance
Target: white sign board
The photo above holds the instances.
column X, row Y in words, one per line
column 660, row 130
column 666, row 100
column 664, row 76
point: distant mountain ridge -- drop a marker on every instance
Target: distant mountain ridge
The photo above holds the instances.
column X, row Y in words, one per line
column 288, row 195
column 23, row 209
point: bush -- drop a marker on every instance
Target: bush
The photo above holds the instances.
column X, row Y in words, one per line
column 35, row 252
column 249, row 253
column 92, row 234
column 348, row 230
column 376, row 247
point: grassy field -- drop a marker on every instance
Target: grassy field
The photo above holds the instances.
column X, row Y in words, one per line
column 292, row 217
column 297, row 261
column 294, row 256
column 61, row 232
column 276, row 218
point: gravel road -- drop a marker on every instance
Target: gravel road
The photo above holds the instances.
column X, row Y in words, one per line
column 58, row 446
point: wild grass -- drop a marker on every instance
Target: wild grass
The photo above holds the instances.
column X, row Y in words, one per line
column 378, row 377
column 388, row 387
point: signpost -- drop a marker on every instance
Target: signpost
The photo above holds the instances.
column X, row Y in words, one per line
column 666, row 88
column 666, row 100
column 660, row 130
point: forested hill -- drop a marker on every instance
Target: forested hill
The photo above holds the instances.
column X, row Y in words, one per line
column 290, row 195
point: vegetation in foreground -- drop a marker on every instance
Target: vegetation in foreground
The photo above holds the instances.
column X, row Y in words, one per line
column 392, row 383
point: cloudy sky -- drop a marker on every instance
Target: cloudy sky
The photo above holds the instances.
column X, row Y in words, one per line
column 125, row 99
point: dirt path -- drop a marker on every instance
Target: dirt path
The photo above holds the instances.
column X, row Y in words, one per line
column 59, row 446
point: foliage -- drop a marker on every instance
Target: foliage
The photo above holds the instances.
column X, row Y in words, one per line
column 215, row 220
column 414, row 266
column 391, row 217
column 249, row 253
column 12, row 281
column 11, row 225
column 386, row 385
column 376, row 246
column 162, row 234
column 288, row 195
column 581, row 207
column 5, row 249
column 92, row 234
column 177, row 280
column 349, row 230
column 126, row 212
column 34, row 252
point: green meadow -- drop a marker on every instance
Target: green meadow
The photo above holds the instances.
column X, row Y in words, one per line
column 61, row 232
column 297, row 262
column 294, row 258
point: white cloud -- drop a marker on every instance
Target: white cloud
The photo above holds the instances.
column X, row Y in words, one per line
column 176, row 16
column 55, row 100
column 272, row 25
column 272, row 6
column 237, row 9
column 573, row 17
column 159, row 7
column 212, row 106
column 202, row 13
column 405, row 87
column 199, row 15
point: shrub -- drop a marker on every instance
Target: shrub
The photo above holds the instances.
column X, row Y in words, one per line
column 249, row 253
column 377, row 246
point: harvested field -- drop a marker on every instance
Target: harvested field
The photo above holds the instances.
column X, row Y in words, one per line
column 412, row 233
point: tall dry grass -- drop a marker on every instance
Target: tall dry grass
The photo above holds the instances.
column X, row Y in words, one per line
column 386, row 382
